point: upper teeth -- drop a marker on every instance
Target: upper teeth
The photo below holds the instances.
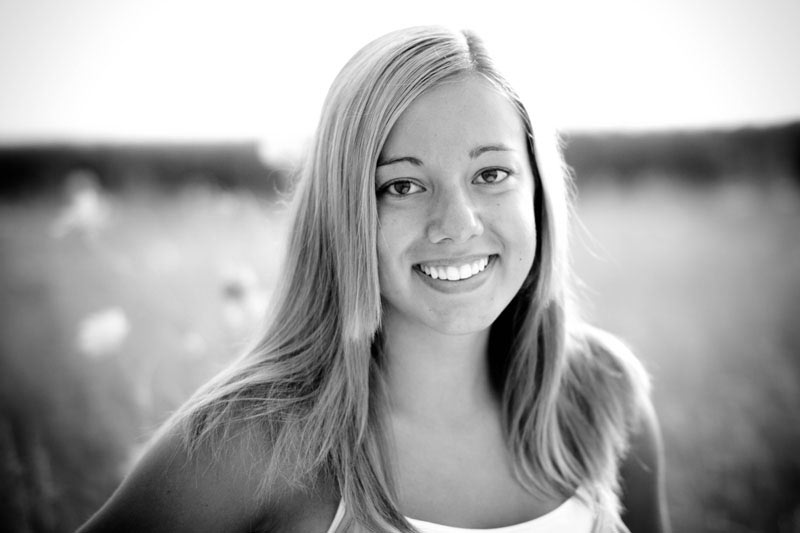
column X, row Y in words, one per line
column 455, row 272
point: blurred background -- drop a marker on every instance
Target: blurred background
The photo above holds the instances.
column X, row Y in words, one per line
column 146, row 151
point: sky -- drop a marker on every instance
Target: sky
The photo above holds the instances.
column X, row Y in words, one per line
column 193, row 70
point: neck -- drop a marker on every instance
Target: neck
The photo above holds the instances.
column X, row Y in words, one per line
column 437, row 378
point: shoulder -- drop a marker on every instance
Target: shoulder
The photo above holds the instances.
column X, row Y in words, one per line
column 621, row 378
column 642, row 476
column 217, row 486
column 611, row 355
column 606, row 369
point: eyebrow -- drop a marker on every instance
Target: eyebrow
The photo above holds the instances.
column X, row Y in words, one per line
column 393, row 160
column 475, row 152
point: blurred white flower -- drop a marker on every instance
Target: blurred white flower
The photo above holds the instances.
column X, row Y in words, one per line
column 102, row 333
column 87, row 210
column 245, row 299
column 194, row 344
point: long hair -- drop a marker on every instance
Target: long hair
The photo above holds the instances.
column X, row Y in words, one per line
column 312, row 386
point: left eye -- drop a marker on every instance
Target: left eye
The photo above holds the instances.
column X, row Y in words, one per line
column 492, row 175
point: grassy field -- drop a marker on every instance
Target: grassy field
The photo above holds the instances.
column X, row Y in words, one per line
column 705, row 286
column 114, row 308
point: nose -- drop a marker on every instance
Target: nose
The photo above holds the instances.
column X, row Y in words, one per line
column 454, row 217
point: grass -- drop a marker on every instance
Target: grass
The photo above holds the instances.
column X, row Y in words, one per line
column 704, row 284
column 70, row 422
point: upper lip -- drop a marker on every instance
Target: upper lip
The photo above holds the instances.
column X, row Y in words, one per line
column 454, row 261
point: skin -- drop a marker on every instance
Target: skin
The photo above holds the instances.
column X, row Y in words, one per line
column 436, row 206
column 454, row 184
column 642, row 472
column 444, row 199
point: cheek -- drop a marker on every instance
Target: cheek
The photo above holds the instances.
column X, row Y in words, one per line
column 386, row 238
column 397, row 230
column 390, row 248
column 519, row 224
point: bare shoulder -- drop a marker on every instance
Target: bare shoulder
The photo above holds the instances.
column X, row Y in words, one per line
column 625, row 381
column 642, row 475
column 213, row 488
column 615, row 357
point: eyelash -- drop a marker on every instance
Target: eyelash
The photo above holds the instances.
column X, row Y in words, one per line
column 497, row 180
column 387, row 188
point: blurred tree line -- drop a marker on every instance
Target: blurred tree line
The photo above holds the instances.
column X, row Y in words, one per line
column 699, row 157
column 28, row 169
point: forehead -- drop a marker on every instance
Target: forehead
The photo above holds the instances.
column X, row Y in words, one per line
column 456, row 114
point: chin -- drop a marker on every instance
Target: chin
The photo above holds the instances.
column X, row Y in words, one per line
column 460, row 326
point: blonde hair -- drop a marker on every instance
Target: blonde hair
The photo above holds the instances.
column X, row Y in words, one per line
column 311, row 387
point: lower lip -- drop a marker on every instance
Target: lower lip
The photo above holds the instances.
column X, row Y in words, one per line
column 461, row 285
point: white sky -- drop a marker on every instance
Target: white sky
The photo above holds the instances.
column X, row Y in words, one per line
column 229, row 70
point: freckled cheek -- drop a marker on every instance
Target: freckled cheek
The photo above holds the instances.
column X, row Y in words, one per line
column 518, row 228
column 396, row 230
column 392, row 245
column 386, row 259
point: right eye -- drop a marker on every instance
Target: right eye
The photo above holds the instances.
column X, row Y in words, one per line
column 400, row 188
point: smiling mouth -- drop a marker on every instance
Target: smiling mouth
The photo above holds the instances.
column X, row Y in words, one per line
column 455, row 272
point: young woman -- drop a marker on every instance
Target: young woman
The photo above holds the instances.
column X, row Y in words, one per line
column 422, row 369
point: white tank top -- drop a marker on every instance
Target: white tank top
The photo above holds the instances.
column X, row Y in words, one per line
column 572, row 516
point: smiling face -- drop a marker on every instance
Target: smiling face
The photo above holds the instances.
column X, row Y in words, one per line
column 455, row 190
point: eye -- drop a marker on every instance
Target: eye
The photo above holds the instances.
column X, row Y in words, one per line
column 400, row 188
column 492, row 175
